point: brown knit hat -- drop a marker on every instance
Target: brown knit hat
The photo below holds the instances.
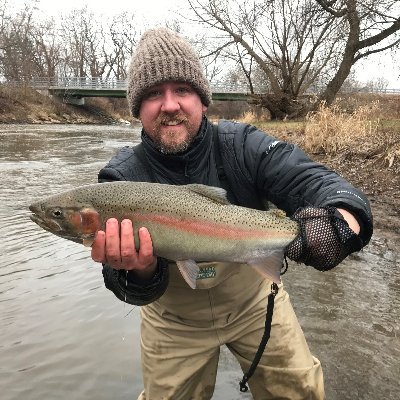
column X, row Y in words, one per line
column 160, row 56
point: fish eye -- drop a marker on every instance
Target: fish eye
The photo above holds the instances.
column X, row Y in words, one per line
column 57, row 213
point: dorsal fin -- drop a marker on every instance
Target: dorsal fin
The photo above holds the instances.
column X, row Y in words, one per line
column 211, row 192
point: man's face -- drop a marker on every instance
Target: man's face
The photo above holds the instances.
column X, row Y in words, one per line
column 171, row 114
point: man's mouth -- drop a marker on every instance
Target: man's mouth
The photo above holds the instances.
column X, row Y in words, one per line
column 172, row 120
column 172, row 123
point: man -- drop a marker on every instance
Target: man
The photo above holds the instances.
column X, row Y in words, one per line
column 182, row 329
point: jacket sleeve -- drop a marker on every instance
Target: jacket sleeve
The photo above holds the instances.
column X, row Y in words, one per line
column 131, row 291
column 124, row 284
column 287, row 177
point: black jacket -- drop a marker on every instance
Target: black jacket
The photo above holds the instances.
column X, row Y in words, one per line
column 251, row 165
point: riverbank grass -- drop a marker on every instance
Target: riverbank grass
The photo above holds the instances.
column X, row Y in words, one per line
column 336, row 132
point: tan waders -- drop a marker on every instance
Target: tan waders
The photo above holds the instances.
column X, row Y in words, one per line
column 182, row 332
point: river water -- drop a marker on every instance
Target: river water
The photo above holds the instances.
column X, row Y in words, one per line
column 63, row 335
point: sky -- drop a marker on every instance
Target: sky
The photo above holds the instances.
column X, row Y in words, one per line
column 151, row 9
column 154, row 12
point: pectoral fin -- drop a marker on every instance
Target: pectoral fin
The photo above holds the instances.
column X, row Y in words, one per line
column 189, row 270
column 88, row 242
column 271, row 266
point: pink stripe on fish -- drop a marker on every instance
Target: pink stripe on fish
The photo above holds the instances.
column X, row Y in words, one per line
column 211, row 228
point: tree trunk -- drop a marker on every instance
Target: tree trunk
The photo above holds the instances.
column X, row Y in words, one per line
column 347, row 62
column 284, row 106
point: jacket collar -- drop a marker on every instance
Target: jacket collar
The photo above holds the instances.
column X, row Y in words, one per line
column 184, row 167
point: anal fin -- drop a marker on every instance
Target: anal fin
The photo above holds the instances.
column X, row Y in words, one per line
column 189, row 271
column 270, row 267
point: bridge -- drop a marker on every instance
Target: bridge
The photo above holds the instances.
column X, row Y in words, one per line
column 74, row 90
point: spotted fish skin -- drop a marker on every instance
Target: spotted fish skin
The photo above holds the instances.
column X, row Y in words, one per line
column 187, row 223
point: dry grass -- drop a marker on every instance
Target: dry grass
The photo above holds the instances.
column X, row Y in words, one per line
column 118, row 108
column 390, row 157
column 361, row 133
column 21, row 104
column 285, row 130
column 360, row 129
column 249, row 117
column 331, row 130
column 387, row 106
column 18, row 93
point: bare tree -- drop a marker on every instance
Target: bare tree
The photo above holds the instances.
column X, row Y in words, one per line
column 18, row 59
column 296, row 43
column 83, row 38
column 45, row 35
column 123, row 34
column 78, row 45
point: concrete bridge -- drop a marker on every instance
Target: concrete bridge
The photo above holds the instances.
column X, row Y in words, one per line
column 74, row 90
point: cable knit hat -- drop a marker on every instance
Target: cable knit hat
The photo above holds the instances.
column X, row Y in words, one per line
column 160, row 56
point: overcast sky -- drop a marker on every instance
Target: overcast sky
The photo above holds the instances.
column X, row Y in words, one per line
column 151, row 9
column 154, row 12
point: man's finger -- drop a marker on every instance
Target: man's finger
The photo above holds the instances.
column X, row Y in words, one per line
column 113, row 253
column 128, row 251
column 146, row 246
column 98, row 247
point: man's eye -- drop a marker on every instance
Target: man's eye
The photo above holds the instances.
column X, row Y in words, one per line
column 183, row 90
column 152, row 94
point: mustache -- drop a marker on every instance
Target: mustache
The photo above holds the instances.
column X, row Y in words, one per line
column 165, row 118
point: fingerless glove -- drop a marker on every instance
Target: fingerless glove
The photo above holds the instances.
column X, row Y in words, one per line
column 325, row 238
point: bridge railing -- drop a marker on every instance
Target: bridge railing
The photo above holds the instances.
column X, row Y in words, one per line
column 78, row 83
column 121, row 84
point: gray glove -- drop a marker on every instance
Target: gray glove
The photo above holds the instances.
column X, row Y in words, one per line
column 325, row 238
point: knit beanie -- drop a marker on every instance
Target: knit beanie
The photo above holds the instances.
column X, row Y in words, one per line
column 162, row 55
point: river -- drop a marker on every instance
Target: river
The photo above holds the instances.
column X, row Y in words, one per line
column 63, row 335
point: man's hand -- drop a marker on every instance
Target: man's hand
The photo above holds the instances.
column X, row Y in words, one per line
column 116, row 248
column 350, row 219
column 327, row 236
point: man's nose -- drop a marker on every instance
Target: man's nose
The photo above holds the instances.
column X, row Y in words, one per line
column 170, row 102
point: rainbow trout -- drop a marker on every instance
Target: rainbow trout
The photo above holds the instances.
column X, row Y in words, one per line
column 187, row 223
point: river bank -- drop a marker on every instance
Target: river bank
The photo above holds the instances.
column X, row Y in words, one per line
column 22, row 105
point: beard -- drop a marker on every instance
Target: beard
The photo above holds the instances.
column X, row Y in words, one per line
column 169, row 141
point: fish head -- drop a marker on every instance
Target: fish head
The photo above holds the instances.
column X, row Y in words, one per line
column 65, row 217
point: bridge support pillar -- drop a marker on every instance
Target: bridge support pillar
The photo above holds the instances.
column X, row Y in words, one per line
column 76, row 101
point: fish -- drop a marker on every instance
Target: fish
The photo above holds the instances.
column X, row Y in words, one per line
column 188, row 224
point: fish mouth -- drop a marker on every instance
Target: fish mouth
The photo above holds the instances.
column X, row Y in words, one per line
column 35, row 208
column 38, row 216
column 46, row 224
column 54, row 228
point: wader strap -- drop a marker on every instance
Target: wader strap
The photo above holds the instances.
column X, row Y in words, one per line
column 264, row 340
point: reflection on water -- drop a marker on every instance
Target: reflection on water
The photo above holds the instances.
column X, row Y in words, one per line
column 63, row 335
